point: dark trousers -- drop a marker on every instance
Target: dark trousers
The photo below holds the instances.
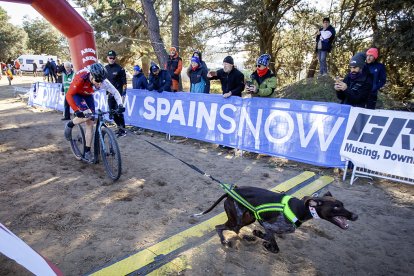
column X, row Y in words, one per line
column 66, row 110
column 372, row 101
column 118, row 118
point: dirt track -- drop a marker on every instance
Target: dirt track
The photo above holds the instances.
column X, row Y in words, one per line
column 74, row 215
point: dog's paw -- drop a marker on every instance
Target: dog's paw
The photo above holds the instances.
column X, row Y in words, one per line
column 271, row 248
column 249, row 238
column 227, row 243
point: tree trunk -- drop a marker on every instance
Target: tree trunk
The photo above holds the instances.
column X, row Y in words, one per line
column 145, row 65
column 175, row 24
column 312, row 66
column 154, row 32
column 175, row 31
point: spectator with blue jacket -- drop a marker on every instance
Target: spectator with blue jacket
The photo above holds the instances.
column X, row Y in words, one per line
column 379, row 76
column 139, row 81
column 198, row 77
column 324, row 39
column 159, row 80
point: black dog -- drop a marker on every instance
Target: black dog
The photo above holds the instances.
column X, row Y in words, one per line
column 277, row 222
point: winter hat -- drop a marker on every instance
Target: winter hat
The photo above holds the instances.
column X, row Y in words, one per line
column 229, row 60
column 111, row 53
column 357, row 61
column 263, row 60
column 137, row 68
column 199, row 54
column 373, row 52
column 154, row 67
column 195, row 59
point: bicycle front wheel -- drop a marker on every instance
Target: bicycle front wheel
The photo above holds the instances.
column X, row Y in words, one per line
column 111, row 156
column 77, row 143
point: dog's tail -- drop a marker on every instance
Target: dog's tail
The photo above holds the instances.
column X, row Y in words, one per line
column 209, row 209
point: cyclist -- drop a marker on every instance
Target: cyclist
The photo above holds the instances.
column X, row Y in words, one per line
column 80, row 98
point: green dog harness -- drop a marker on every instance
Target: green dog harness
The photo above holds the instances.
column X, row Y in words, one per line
column 282, row 207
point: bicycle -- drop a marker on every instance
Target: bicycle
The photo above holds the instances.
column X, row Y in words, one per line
column 104, row 142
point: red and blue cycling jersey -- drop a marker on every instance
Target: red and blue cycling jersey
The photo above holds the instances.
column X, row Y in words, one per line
column 81, row 90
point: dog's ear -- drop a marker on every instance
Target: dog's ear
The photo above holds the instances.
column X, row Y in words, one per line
column 312, row 202
column 328, row 193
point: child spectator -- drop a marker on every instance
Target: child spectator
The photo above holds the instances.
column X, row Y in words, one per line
column 198, row 77
column 263, row 81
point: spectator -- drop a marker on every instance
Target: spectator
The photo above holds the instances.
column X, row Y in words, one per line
column 379, row 76
column 17, row 66
column 67, row 76
column 53, row 70
column 198, row 55
column 198, row 77
column 159, row 80
column 263, row 81
column 46, row 71
column 117, row 76
column 356, row 86
column 60, row 69
column 232, row 80
column 174, row 67
column 9, row 73
column 34, row 69
column 324, row 39
column 139, row 81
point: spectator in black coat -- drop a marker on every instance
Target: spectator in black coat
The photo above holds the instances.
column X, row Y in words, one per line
column 232, row 80
column 159, row 80
column 139, row 81
column 357, row 84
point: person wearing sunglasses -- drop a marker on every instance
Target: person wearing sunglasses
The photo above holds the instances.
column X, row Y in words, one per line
column 117, row 76
column 355, row 88
column 263, row 81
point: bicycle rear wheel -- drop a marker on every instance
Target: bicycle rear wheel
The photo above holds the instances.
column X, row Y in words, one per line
column 77, row 143
column 111, row 155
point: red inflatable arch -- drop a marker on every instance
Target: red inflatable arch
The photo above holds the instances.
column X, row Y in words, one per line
column 66, row 19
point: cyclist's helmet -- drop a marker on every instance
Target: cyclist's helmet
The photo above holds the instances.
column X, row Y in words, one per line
column 98, row 72
column 263, row 60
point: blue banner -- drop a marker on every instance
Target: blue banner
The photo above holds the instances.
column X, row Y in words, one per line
column 304, row 131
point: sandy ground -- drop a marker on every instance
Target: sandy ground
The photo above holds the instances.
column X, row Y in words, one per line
column 74, row 215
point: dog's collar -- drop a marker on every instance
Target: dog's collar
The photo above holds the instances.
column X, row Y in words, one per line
column 313, row 212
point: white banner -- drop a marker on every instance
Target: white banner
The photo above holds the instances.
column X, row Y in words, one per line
column 16, row 249
column 380, row 140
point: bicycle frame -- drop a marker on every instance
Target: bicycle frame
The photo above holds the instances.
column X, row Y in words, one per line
column 98, row 138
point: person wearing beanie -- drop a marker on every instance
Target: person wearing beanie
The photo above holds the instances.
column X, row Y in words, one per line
column 198, row 77
column 379, row 76
column 263, row 81
column 159, row 80
column 139, row 81
column 199, row 55
column 231, row 79
column 174, row 67
column 324, row 39
column 357, row 84
column 117, row 76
